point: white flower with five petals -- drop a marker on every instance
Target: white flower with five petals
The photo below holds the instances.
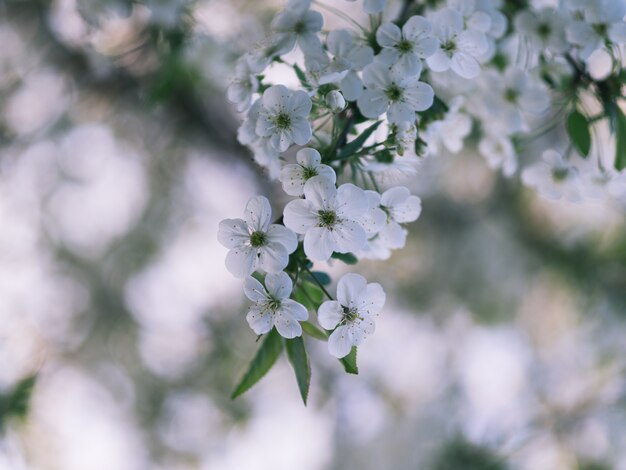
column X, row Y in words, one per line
column 352, row 315
column 328, row 218
column 255, row 243
column 294, row 176
column 273, row 307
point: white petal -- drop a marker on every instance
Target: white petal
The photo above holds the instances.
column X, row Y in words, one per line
column 438, row 62
column 351, row 201
column 357, row 335
column 340, row 342
column 278, row 285
column 465, row 65
column 349, row 236
column 371, row 300
column 254, row 290
column 320, row 192
column 258, row 213
column 300, row 103
column 292, row 179
column 388, row 35
column 349, row 289
column 299, row 216
column 233, row 232
column 351, row 86
column 393, row 236
column 319, row 243
column 339, row 42
column 330, row 314
column 275, row 97
column 409, row 211
column 372, row 103
column 400, row 112
column 287, row 326
column 272, row 258
column 416, row 27
column 394, row 196
column 308, row 157
column 240, row 261
column 294, row 309
column 420, row 96
column 280, row 234
column 260, row 323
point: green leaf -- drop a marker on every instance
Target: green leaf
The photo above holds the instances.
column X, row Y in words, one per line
column 347, row 258
column 578, row 131
column 321, row 277
column 312, row 330
column 299, row 360
column 352, row 147
column 301, row 76
column 620, row 134
column 15, row 403
column 263, row 361
column 349, row 362
column 309, row 295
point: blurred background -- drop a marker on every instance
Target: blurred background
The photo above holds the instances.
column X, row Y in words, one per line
column 502, row 344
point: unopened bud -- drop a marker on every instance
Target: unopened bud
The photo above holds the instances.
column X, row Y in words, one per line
column 335, row 101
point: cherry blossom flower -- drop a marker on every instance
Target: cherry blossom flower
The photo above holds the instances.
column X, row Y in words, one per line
column 283, row 117
column 399, row 96
column 328, row 218
column 458, row 47
column 400, row 207
column 255, row 243
column 499, row 153
column 545, row 29
column 244, row 84
column 554, row 177
column 294, row 176
column 404, row 49
column 353, row 314
column 600, row 21
column 273, row 307
column 298, row 24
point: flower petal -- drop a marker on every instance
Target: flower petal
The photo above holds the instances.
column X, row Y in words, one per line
column 260, row 323
column 319, row 243
column 233, row 232
column 349, row 289
column 330, row 314
column 278, row 285
column 295, row 309
column 280, row 234
column 300, row 216
column 340, row 342
column 258, row 213
column 287, row 326
column 254, row 290
column 240, row 261
column 272, row 258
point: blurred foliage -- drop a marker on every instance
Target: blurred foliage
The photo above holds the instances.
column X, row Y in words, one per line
column 14, row 403
column 462, row 455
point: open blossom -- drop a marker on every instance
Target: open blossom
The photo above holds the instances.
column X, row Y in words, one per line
column 458, row 47
column 450, row 131
column 328, row 218
column 545, row 29
column 298, row 24
column 294, row 176
column 283, row 117
column 499, row 153
column 255, row 243
column 601, row 21
column 405, row 48
column 244, row 84
column 273, row 307
column 400, row 207
column 398, row 95
column 554, row 177
column 353, row 314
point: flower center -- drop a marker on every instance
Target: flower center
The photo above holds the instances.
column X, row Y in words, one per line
column 258, row 239
column 299, row 27
column 282, row 121
column 308, row 172
column 449, row 47
column 394, row 92
column 559, row 174
column 404, row 46
column 350, row 314
column 327, row 218
column 273, row 303
column 544, row 30
column 511, row 95
column 600, row 28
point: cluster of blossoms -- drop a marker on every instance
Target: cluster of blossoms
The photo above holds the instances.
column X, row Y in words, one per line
column 371, row 101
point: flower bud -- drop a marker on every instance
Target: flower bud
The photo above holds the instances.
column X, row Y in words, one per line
column 335, row 101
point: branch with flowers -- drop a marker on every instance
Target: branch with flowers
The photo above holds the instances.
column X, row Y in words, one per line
column 372, row 101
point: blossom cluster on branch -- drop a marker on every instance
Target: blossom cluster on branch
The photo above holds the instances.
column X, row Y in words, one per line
column 372, row 100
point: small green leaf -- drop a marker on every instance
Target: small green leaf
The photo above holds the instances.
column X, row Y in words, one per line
column 352, row 147
column 15, row 403
column 299, row 360
column 347, row 258
column 578, row 131
column 301, row 76
column 620, row 134
column 309, row 295
column 349, row 362
column 263, row 361
column 321, row 277
column 312, row 330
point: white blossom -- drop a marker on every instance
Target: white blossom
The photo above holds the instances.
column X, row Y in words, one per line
column 353, row 314
column 458, row 47
column 273, row 307
column 600, row 21
column 298, row 24
column 404, row 49
column 400, row 207
column 254, row 242
column 554, row 177
column 499, row 153
column 283, row 117
column 328, row 218
column 293, row 176
column 545, row 29
column 399, row 96
column 450, row 131
column 244, row 84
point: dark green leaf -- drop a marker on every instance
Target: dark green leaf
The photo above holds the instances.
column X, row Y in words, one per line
column 299, row 360
column 301, row 76
column 15, row 403
column 352, row 147
column 312, row 330
column 349, row 362
column 347, row 258
column 309, row 295
column 620, row 133
column 263, row 361
column 579, row 134
column 321, row 277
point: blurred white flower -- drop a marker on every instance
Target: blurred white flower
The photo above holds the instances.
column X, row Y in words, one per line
column 244, row 84
column 298, row 24
column 353, row 314
column 255, row 243
column 545, row 29
column 499, row 153
column 400, row 207
column 273, row 307
column 554, row 177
